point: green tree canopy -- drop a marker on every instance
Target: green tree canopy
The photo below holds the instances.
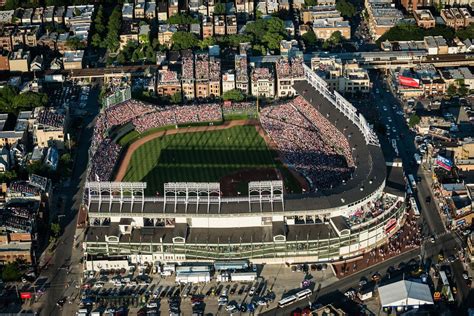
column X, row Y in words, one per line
column 12, row 4
column 463, row 90
column 205, row 43
column 233, row 95
column 266, row 33
column 176, row 98
column 12, row 102
column 75, row 43
column 11, row 272
column 55, row 229
column 452, row 90
column 310, row 38
column 99, row 23
column 407, row 32
column 219, row 8
column 466, row 33
column 346, row 8
column 414, row 120
column 113, row 29
column 182, row 19
column 310, row 3
column 184, row 40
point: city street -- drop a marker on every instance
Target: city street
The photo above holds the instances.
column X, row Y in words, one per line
column 63, row 279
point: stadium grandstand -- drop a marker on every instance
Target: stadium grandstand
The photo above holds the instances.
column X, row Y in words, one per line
column 346, row 211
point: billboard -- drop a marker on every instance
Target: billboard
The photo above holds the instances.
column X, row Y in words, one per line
column 444, row 163
column 409, row 82
column 391, row 225
column 25, row 295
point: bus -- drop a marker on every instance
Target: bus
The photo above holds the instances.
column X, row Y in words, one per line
column 414, row 207
column 294, row 298
column 411, row 180
column 287, row 300
column 304, row 293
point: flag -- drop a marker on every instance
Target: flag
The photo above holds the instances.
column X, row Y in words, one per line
column 444, row 163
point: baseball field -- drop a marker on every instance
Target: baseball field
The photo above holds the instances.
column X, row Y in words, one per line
column 232, row 155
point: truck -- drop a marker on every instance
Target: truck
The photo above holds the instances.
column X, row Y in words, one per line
column 243, row 276
column 417, row 158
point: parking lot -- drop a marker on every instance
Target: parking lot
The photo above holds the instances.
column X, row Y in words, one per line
column 153, row 294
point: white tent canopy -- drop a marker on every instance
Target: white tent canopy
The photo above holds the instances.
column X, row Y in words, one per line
column 405, row 293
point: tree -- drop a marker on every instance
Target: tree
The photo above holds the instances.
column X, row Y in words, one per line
column 11, row 272
column 8, row 176
column 97, row 41
column 233, row 95
column 463, row 90
column 75, row 43
column 12, row 4
column 176, row 98
column 113, row 29
column 99, row 21
column 219, row 8
column 408, row 32
column 310, row 3
column 182, row 19
column 414, row 120
column 346, row 8
column 55, row 229
column 452, row 90
column 184, row 40
column 466, row 33
column 266, row 33
column 335, row 38
column 310, row 38
column 205, row 43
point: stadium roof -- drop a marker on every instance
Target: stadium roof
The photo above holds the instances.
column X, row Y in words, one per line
column 405, row 293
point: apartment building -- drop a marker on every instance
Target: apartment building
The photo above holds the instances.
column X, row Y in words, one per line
column 231, row 24
column 207, row 27
column 4, row 63
column 288, row 70
column 139, row 10
column 128, row 33
column 48, row 127
column 457, row 17
column 424, row 18
column 342, row 77
column 5, row 38
column 20, row 60
column 187, row 74
column 150, row 10
column 214, row 77
column 201, row 64
column 324, row 28
column 311, row 14
column 382, row 16
column 172, row 7
column 162, row 14
column 37, row 17
column 165, row 34
column 262, row 82
column 219, row 24
column 241, row 73
column 168, row 83
column 228, row 81
column 73, row 59
column 127, row 11
column 48, row 14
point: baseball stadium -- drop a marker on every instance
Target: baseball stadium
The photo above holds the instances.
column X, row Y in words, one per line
column 300, row 180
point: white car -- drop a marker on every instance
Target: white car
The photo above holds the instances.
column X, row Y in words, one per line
column 152, row 305
column 230, row 307
column 99, row 285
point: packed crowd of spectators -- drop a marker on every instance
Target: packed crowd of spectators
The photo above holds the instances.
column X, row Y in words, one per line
column 297, row 70
column 177, row 115
column 187, row 71
column 334, row 136
column 283, row 68
column 124, row 112
column 167, row 76
column 202, row 66
column 373, row 209
column 51, row 118
column 305, row 146
column 103, row 161
column 262, row 73
column 23, row 187
column 230, row 107
column 214, row 69
column 241, row 68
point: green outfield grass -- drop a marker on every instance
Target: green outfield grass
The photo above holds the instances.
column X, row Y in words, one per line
column 202, row 157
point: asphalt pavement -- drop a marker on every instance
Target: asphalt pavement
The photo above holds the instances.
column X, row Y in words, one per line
column 62, row 279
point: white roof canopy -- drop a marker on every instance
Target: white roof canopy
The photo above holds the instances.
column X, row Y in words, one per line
column 405, row 293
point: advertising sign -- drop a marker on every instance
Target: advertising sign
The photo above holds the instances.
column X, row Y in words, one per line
column 409, row 82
